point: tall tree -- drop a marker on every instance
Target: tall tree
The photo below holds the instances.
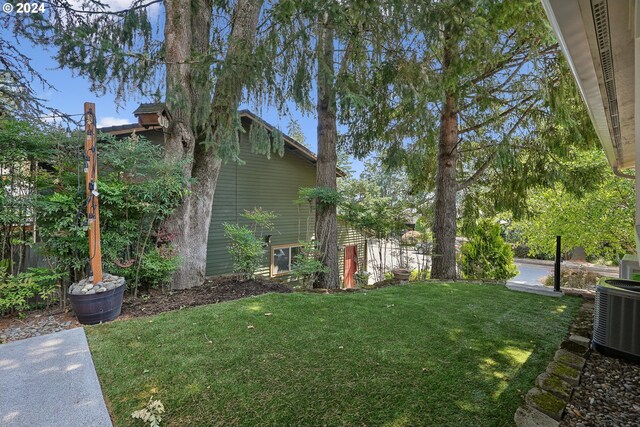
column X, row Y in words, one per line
column 326, row 229
column 207, row 51
column 326, row 41
column 294, row 130
column 195, row 141
column 600, row 220
column 474, row 89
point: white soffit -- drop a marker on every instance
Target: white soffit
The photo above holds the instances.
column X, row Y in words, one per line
column 574, row 25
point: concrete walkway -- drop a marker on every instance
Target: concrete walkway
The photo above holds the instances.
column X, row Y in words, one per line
column 533, row 289
column 50, row 381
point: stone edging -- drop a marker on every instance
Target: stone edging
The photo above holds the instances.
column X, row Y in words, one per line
column 545, row 403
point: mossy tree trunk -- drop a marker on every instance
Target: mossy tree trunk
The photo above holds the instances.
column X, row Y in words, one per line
column 326, row 229
column 197, row 128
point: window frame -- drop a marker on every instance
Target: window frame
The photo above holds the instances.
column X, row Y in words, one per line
column 272, row 249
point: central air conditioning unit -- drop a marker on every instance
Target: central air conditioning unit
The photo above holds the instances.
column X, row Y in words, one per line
column 616, row 322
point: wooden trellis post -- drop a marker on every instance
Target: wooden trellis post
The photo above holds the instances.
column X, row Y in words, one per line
column 91, row 174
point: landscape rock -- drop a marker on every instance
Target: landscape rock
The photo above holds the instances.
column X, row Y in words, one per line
column 609, row 390
column 527, row 416
column 583, row 341
column 86, row 286
column 554, row 385
column 574, row 348
column 545, row 402
column 564, row 372
column 569, row 359
column 40, row 325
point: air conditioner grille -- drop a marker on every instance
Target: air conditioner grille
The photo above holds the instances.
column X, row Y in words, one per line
column 600, row 315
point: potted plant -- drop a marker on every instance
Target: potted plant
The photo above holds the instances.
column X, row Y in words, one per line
column 97, row 302
column 401, row 274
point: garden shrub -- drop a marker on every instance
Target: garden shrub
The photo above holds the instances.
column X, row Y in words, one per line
column 137, row 190
column 577, row 278
column 418, row 275
column 361, row 277
column 486, row 255
column 247, row 251
column 157, row 266
column 19, row 292
column 247, row 247
column 307, row 266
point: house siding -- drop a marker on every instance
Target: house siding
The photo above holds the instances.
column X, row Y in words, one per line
column 259, row 183
column 273, row 185
column 348, row 236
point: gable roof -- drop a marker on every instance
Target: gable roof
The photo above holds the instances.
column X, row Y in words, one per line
column 290, row 144
column 149, row 108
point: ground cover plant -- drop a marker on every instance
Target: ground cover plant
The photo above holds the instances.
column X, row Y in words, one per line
column 423, row 354
column 577, row 278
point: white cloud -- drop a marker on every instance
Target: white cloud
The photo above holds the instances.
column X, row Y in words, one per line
column 112, row 121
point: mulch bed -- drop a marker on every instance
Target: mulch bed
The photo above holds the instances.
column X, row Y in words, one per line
column 211, row 292
column 41, row 322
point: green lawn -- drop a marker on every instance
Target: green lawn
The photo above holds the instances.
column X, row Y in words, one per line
column 426, row 354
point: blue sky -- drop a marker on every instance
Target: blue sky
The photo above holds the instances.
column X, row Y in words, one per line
column 71, row 92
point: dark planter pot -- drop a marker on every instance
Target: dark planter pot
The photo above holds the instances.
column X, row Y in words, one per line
column 401, row 274
column 98, row 307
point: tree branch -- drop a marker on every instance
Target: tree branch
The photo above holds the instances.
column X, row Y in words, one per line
column 481, row 170
column 499, row 116
column 478, row 173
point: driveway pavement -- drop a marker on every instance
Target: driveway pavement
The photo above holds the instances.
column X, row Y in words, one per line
column 50, row 381
column 531, row 274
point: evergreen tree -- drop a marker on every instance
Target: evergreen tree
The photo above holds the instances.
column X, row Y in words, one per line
column 205, row 59
column 294, row 130
column 327, row 41
column 474, row 97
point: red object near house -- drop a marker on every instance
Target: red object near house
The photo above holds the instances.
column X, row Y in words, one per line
column 350, row 265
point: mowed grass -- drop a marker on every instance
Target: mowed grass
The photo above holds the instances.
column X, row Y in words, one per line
column 415, row 355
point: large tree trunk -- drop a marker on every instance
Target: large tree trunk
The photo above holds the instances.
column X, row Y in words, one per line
column 445, row 210
column 188, row 91
column 326, row 222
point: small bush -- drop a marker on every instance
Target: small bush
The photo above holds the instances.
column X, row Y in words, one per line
column 417, row 275
column 307, row 266
column 17, row 292
column 576, row 278
column 486, row 255
column 361, row 278
column 246, row 250
column 157, row 267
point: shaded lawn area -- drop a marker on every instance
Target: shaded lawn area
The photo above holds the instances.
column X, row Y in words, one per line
column 424, row 354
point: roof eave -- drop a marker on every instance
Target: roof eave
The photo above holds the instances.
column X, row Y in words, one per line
column 566, row 19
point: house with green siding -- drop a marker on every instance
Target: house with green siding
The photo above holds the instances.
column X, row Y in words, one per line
column 260, row 182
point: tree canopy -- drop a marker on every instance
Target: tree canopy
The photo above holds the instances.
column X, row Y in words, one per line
column 601, row 219
column 474, row 98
